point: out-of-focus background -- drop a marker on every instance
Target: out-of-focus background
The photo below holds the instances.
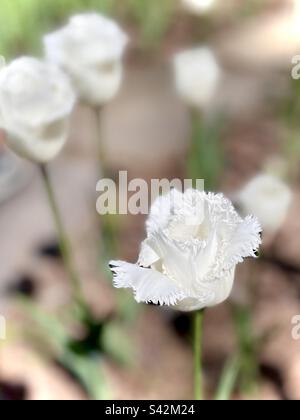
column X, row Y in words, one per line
column 139, row 351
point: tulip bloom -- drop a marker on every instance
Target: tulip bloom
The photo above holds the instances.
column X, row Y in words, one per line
column 268, row 198
column 197, row 75
column 90, row 49
column 198, row 7
column 188, row 260
column 36, row 101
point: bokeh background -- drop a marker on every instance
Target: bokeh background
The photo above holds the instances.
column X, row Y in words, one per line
column 136, row 351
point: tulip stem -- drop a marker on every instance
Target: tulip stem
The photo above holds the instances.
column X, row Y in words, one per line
column 100, row 152
column 198, row 335
column 108, row 223
column 64, row 243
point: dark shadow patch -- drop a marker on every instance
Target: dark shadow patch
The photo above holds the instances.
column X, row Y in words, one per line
column 274, row 375
column 25, row 285
column 182, row 325
column 12, row 391
column 49, row 249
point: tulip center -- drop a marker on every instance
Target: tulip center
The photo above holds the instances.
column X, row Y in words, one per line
column 189, row 227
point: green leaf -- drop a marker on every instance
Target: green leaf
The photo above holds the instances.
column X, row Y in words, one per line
column 88, row 370
column 206, row 158
column 228, row 379
column 117, row 343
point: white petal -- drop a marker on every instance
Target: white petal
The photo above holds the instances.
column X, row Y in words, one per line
column 182, row 228
column 268, row 198
column 97, row 86
column 198, row 7
column 193, row 304
column 148, row 285
column 222, row 287
column 197, row 75
column 161, row 210
column 36, row 101
column 212, row 294
column 147, row 255
column 178, row 261
column 244, row 241
column 207, row 256
column 89, row 49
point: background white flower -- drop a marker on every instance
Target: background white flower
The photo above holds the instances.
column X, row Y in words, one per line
column 89, row 48
column 197, row 75
column 198, row 6
column 36, row 100
column 268, row 198
column 194, row 242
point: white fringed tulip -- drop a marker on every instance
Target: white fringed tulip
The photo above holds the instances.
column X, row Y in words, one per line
column 36, row 100
column 268, row 198
column 89, row 48
column 197, row 75
column 194, row 242
column 198, row 6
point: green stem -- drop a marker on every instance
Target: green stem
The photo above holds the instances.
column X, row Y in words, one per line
column 64, row 242
column 109, row 239
column 228, row 379
column 198, row 335
column 100, row 152
column 247, row 348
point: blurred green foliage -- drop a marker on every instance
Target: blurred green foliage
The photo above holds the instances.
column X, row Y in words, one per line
column 23, row 22
column 152, row 17
column 288, row 113
column 82, row 358
column 206, row 158
column 249, row 346
column 52, row 339
column 228, row 379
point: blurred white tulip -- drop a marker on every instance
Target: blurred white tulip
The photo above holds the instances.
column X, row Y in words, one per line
column 268, row 198
column 90, row 49
column 36, row 100
column 197, row 75
column 198, row 6
column 194, row 242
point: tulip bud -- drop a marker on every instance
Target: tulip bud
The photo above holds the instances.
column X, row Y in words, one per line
column 197, row 75
column 90, row 49
column 198, row 7
column 36, row 101
column 268, row 198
